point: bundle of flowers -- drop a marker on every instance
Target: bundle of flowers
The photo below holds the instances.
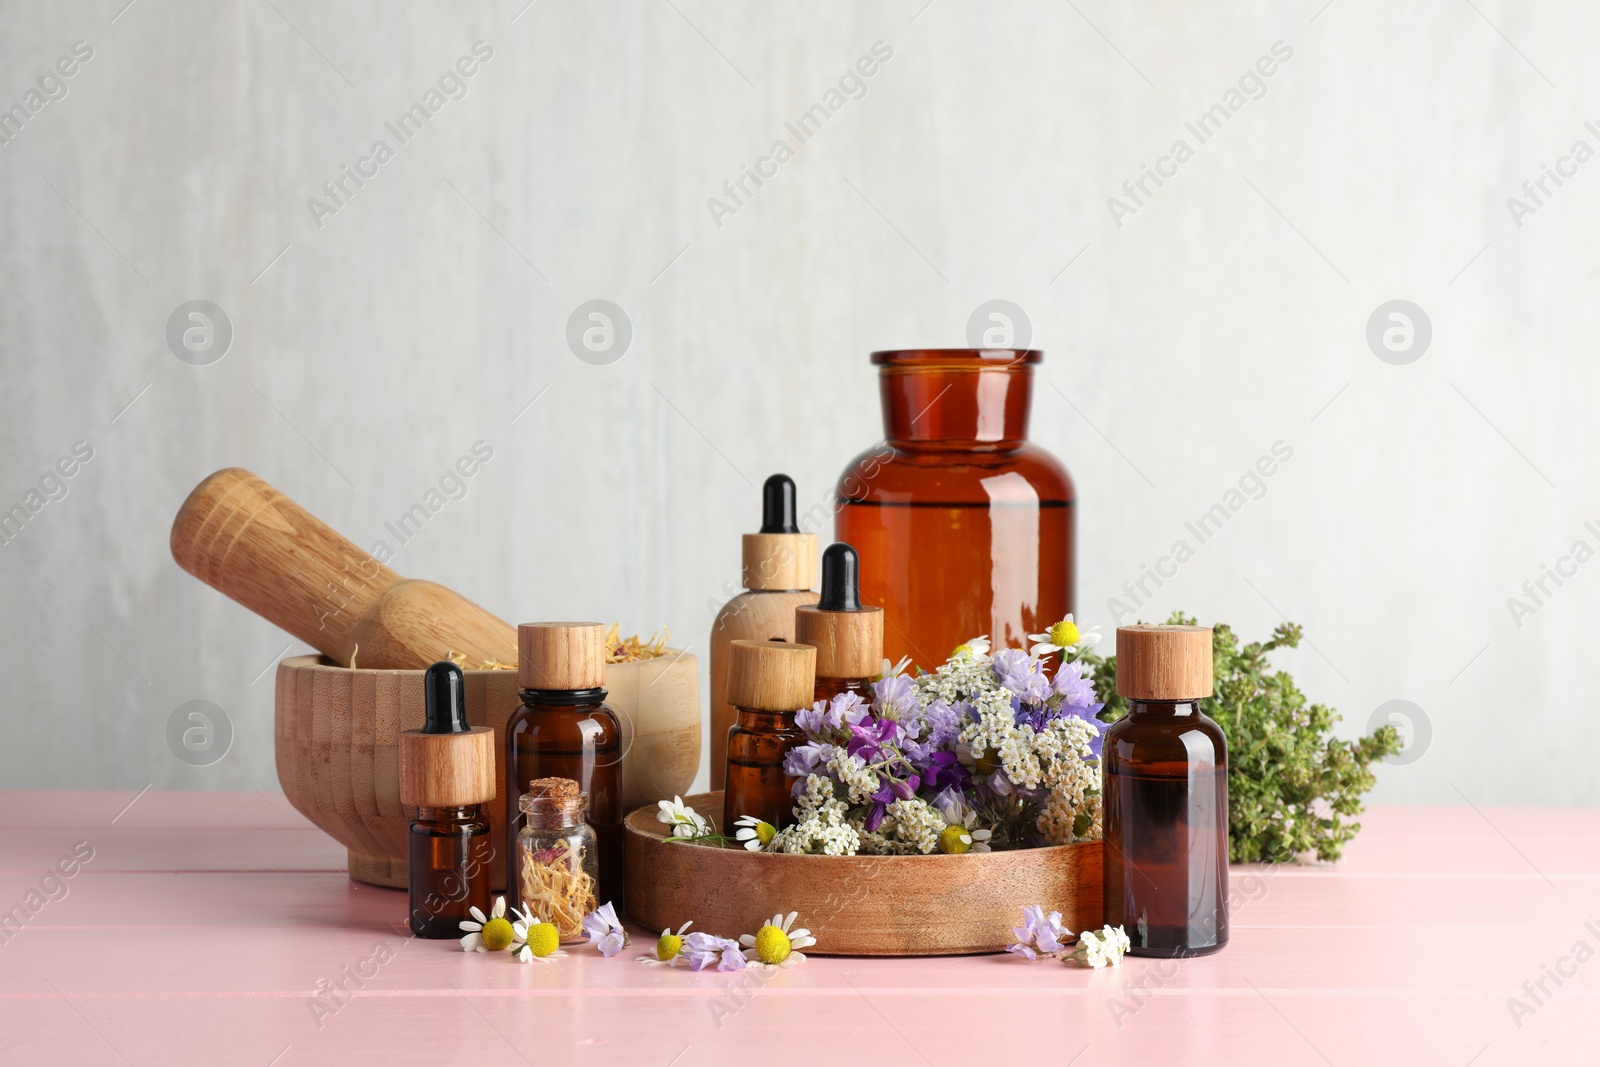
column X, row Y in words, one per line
column 986, row 752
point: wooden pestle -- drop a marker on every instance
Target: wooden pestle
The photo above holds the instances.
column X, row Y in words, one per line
column 241, row 536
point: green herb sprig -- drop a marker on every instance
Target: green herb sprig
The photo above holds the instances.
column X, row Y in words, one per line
column 1292, row 787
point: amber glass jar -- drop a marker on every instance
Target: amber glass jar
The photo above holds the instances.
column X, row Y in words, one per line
column 1165, row 791
column 564, row 729
column 963, row 527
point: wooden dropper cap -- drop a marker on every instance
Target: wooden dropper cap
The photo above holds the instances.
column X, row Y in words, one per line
column 780, row 556
column 848, row 637
column 771, row 675
column 1164, row 662
column 561, row 655
column 447, row 763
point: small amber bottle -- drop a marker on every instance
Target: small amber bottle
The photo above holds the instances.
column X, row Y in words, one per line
column 564, row 729
column 447, row 774
column 848, row 636
column 768, row 681
column 780, row 568
column 1165, row 770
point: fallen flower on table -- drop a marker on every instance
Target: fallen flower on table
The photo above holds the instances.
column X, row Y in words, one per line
column 707, row 951
column 536, row 940
column 1043, row 936
column 669, row 948
column 604, row 930
column 778, row 944
column 489, row 933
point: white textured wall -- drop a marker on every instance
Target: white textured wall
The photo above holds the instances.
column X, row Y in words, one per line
column 1228, row 313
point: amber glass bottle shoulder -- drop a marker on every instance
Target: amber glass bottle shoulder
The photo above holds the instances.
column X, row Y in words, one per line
column 890, row 474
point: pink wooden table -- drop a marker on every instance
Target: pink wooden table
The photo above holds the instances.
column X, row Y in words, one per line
column 200, row 928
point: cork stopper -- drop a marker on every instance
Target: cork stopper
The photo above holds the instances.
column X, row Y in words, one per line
column 552, row 801
column 779, row 556
column 561, row 655
column 848, row 637
column 771, row 675
column 1164, row 662
column 553, row 789
column 447, row 763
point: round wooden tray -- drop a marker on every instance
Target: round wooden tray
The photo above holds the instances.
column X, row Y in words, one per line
column 857, row 905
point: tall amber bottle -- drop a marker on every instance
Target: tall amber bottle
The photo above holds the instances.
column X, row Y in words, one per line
column 768, row 681
column 565, row 730
column 447, row 774
column 847, row 635
column 964, row 528
column 1165, row 780
column 780, row 565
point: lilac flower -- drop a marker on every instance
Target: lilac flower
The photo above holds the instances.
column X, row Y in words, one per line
column 894, row 697
column 1019, row 673
column 1039, row 934
column 1076, row 690
column 940, row 769
column 807, row 759
column 705, row 951
column 812, row 720
column 604, row 930
column 943, row 723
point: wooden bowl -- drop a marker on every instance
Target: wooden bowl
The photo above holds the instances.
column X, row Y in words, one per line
column 857, row 905
column 337, row 730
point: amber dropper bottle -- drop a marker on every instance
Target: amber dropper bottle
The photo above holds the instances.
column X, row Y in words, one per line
column 447, row 774
column 768, row 681
column 780, row 567
column 848, row 637
column 564, row 729
column 1165, row 771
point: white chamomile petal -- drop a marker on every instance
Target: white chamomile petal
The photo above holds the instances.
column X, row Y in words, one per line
column 748, row 940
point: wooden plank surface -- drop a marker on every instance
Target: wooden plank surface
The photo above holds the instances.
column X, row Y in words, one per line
column 201, row 927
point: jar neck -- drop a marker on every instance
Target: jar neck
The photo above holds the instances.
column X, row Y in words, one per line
column 547, row 813
column 564, row 698
column 955, row 398
column 1164, row 709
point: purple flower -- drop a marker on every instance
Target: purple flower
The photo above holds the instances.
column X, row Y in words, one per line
column 807, row 759
column 872, row 735
column 894, row 697
column 847, row 709
column 1076, row 690
column 943, row 723
column 704, row 951
column 1039, row 933
column 1019, row 673
column 941, row 770
column 812, row 719
column 604, row 930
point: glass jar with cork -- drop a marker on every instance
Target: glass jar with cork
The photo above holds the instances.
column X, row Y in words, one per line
column 557, row 857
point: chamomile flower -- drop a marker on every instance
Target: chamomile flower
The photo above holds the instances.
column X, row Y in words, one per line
column 1063, row 635
column 684, row 820
column 604, row 930
column 536, row 940
column 977, row 649
column 778, row 943
column 755, row 834
column 962, row 835
column 669, row 948
column 488, row 933
column 891, row 670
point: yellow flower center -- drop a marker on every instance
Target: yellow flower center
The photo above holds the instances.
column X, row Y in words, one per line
column 772, row 944
column 959, row 650
column 954, row 841
column 543, row 939
column 496, row 934
column 1064, row 634
column 765, row 832
column 668, row 947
